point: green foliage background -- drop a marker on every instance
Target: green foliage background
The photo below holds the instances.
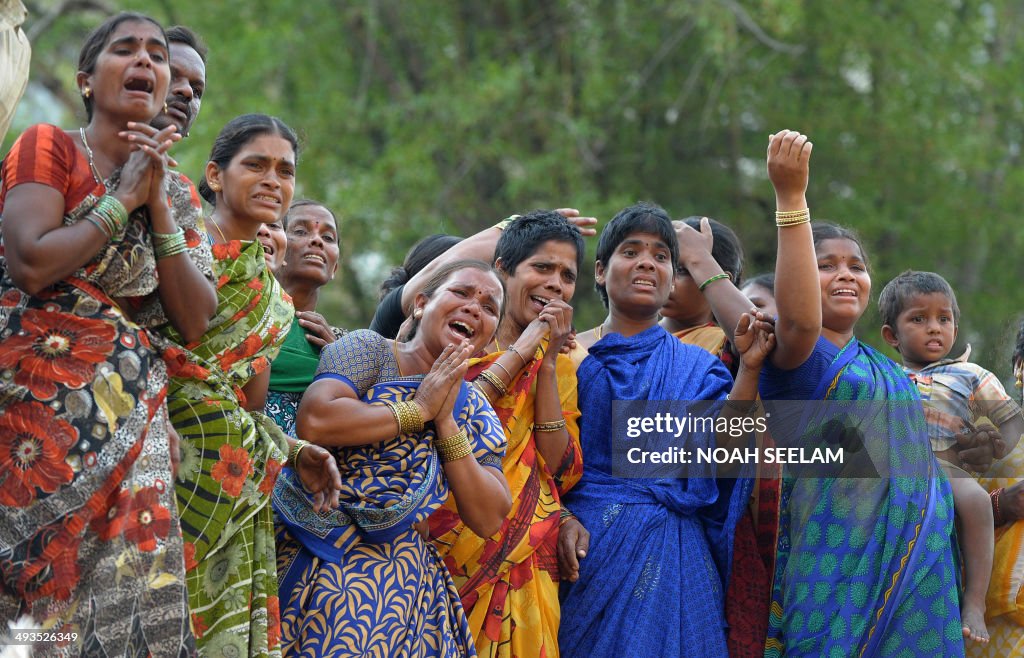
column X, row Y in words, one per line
column 422, row 117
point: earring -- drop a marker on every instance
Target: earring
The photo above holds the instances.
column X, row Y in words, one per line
column 215, row 187
column 166, row 109
column 1020, row 381
column 87, row 92
column 418, row 313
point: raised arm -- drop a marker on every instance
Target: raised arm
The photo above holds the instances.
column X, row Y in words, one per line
column 480, row 247
column 726, row 301
column 797, row 290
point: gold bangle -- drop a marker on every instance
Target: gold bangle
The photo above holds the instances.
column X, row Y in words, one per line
column 783, row 214
column 553, row 426
column 505, row 370
column 407, row 415
column 454, row 447
column 293, row 454
column 394, row 412
column 494, row 381
column 784, row 218
column 504, row 224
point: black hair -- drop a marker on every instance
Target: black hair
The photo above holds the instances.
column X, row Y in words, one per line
column 236, row 134
column 419, row 256
column 821, row 231
column 306, row 202
column 524, row 236
column 726, row 249
column 185, row 36
column 444, row 272
column 638, row 218
column 97, row 41
column 897, row 293
column 766, row 281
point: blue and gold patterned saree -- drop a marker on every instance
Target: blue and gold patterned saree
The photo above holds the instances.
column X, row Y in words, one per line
column 360, row 580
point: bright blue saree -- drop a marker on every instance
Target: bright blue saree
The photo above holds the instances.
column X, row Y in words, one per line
column 654, row 579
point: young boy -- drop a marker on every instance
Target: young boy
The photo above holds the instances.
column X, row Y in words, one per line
column 920, row 317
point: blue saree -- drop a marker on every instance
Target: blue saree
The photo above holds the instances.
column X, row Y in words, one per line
column 653, row 581
column 864, row 565
column 360, row 580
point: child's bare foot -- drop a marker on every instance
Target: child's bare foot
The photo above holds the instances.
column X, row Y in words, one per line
column 974, row 624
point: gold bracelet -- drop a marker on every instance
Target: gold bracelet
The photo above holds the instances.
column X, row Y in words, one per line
column 394, row 412
column 784, row 218
column 494, row 381
column 293, row 454
column 504, row 224
column 553, row 426
column 407, row 415
column 454, row 447
column 505, row 370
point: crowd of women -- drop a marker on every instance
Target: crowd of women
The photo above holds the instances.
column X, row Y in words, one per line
column 193, row 460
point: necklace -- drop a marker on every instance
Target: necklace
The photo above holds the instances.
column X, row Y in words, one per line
column 398, row 363
column 599, row 331
column 217, row 226
column 88, row 152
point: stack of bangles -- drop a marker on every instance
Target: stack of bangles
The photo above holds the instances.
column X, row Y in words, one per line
column 454, row 447
column 408, row 416
column 494, row 381
column 109, row 216
column 564, row 515
column 293, row 454
column 169, row 244
column 784, row 218
column 553, row 426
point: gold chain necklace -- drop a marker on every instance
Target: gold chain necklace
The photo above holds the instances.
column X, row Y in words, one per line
column 398, row 363
column 217, row 226
column 88, row 152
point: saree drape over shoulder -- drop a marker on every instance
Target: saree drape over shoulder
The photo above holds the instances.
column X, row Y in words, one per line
column 652, row 583
column 89, row 535
column 230, row 458
column 865, row 564
column 361, row 580
column 509, row 582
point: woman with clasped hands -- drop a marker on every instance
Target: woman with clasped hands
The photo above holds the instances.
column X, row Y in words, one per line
column 406, row 431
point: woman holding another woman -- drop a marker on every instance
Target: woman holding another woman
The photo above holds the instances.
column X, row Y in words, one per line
column 406, row 430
